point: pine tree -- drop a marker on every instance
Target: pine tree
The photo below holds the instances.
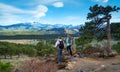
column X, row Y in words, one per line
column 100, row 15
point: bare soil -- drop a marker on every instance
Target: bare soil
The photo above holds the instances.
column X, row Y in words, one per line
column 97, row 65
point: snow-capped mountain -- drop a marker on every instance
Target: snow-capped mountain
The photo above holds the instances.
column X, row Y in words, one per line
column 35, row 26
column 38, row 26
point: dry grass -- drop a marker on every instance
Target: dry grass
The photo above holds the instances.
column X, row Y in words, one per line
column 35, row 65
column 21, row 41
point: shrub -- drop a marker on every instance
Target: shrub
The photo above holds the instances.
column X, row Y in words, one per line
column 35, row 65
column 10, row 49
column 5, row 67
column 44, row 49
column 116, row 47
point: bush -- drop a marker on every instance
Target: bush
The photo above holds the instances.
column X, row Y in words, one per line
column 5, row 67
column 10, row 49
column 35, row 65
column 116, row 47
column 29, row 50
column 44, row 49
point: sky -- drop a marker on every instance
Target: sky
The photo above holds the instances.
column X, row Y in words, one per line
column 51, row 11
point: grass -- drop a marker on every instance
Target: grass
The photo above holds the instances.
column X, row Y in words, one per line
column 22, row 41
column 15, row 61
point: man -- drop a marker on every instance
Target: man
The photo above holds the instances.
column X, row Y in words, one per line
column 59, row 45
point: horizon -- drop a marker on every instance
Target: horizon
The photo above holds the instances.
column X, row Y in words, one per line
column 68, row 12
column 33, row 23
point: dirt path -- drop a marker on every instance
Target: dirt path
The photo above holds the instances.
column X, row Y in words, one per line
column 97, row 65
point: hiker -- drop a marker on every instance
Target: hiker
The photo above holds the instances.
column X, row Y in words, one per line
column 69, row 42
column 59, row 45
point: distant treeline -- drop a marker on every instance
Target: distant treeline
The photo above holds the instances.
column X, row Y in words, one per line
column 47, row 36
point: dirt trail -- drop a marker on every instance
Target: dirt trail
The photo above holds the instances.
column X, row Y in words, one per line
column 97, row 65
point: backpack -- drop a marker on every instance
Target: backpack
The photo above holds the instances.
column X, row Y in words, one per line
column 61, row 45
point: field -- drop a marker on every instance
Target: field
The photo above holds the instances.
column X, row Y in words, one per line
column 22, row 41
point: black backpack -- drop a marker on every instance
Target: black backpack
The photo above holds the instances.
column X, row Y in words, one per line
column 61, row 45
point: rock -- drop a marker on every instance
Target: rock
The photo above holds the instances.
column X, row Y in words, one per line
column 61, row 66
column 115, row 63
column 61, row 71
column 80, row 70
column 70, row 65
column 102, row 65
column 80, row 55
column 113, row 53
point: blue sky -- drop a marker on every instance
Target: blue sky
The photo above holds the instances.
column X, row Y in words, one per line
column 50, row 11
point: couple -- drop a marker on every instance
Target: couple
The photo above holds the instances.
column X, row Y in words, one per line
column 58, row 43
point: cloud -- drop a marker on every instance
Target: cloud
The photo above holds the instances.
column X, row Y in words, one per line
column 46, row 1
column 40, row 11
column 58, row 4
column 10, row 14
column 100, row 1
column 105, row 0
column 9, row 9
column 9, row 18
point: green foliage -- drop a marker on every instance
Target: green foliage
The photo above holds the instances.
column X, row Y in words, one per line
column 115, row 30
column 28, row 50
column 5, row 67
column 88, row 45
column 98, row 16
column 97, row 10
column 95, row 29
column 87, row 34
column 40, row 46
column 10, row 49
column 45, row 49
column 41, row 49
column 116, row 47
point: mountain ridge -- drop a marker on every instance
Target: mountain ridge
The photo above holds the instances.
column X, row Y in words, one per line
column 39, row 28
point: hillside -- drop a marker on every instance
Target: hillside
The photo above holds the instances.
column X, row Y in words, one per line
column 38, row 29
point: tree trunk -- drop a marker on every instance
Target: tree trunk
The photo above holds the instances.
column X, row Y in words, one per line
column 108, row 36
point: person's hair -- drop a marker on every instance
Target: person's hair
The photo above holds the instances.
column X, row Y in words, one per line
column 60, row 37
column 68, row 36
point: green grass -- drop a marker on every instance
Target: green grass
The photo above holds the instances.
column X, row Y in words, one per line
column 18, row 32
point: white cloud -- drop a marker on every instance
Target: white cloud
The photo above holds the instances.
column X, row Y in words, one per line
column 40, row 11
column 105, row 0
column 9, row 9
column 58, row 4
column 46, row 1
column 100, row 1
column 9, row 18
column 10, row 14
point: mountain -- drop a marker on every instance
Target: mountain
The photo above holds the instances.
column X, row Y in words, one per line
column 38, row 28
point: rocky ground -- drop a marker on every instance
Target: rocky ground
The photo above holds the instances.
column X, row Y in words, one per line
column 93, row 65
column 85, row 64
